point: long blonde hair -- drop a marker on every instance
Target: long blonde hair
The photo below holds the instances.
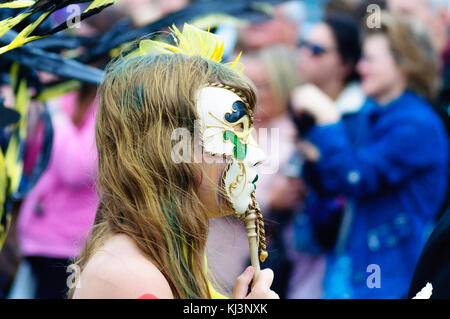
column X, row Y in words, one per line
column 143, row 193
column 280, row 65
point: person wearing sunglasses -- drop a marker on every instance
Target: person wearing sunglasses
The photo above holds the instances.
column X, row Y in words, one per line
column 327, row 59
column 315, row 49
column 328, row 55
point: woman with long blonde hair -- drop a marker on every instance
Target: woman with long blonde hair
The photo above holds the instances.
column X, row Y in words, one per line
column 151, row 226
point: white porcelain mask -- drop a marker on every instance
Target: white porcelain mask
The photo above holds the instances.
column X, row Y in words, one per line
column 226, row 124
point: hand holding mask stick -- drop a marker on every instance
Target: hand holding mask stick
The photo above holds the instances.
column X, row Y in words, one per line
column 250, row 225
column 256, row 236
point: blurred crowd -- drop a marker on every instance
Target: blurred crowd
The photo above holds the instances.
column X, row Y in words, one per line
column 353, row 104
column 358, row 101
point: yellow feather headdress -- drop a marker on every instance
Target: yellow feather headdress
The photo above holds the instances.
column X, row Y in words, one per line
column 192, row 41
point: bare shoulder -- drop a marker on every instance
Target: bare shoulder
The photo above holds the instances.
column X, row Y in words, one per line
column 119, row 270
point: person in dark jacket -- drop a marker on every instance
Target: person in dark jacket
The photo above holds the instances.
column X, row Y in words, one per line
column 391, row 164
column 434, row 263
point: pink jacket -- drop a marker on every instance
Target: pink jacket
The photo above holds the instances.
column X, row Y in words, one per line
column 58, row 212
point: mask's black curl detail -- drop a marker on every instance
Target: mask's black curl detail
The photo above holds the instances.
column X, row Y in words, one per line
column 241, row 111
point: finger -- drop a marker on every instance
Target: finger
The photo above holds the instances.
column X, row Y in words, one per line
column 264, row 279
column 273, row 295
column 242, row 282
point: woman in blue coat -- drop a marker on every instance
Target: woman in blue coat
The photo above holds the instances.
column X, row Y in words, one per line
column 390, row 164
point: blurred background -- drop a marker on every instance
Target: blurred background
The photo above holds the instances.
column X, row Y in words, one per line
column 363, row 186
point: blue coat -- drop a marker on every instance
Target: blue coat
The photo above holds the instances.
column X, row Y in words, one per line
column 391, row 164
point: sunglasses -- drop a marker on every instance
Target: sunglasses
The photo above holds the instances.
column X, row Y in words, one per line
column 316, row 50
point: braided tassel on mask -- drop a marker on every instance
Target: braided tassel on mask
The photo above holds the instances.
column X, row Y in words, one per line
column 260, row 230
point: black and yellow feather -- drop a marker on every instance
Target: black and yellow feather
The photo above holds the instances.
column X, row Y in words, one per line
column 42, row 9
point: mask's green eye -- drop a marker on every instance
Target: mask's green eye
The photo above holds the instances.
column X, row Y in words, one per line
column 239, row 150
